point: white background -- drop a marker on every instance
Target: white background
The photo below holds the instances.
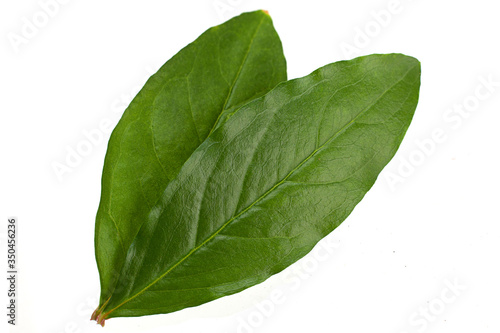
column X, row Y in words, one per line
column 431, row 221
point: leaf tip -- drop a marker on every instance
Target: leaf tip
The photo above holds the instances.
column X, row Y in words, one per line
column 265, row 12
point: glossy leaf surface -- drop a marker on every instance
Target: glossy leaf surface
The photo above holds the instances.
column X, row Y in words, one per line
column 173, row 113
column 258, row 194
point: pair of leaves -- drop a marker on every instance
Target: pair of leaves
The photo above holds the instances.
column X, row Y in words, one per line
column 212, row 183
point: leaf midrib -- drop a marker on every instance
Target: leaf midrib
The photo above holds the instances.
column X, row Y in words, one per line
column 231, row 88
column 338, row 133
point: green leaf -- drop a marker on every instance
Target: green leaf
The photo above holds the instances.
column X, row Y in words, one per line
column 267, row 185
column 174, row 112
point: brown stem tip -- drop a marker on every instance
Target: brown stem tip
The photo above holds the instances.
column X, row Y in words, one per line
column 101, row 320
column 99, row 317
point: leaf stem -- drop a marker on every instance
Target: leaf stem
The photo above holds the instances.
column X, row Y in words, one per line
column 97, row 314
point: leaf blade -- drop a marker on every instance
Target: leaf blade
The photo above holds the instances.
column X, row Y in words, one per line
column 172, row 114
column 258, row 194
